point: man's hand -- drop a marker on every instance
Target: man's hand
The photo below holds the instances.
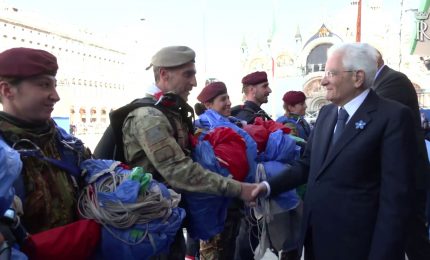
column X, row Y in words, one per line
column 259, row 191
column 250, row 192
column 246, row 191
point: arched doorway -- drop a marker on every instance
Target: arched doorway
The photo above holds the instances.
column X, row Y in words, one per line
column 317, row 58
column 315, row 94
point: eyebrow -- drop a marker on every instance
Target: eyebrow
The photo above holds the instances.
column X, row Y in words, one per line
column 190, row 72
column 44, row 78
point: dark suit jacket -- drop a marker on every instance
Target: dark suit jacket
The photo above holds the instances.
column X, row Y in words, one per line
column 396, row 86
column 358, row 190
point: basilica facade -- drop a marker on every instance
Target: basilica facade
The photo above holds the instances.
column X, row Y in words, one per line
column 300, row 66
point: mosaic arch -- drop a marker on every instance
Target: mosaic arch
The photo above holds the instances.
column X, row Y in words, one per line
column 315, row 94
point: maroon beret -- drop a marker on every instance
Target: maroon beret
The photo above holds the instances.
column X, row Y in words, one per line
column 294, row 97
column 26, row 62
column 255, row 78
column 211, row 91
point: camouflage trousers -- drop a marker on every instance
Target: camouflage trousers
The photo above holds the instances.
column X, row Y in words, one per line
column 223, row 245
column 211, row 249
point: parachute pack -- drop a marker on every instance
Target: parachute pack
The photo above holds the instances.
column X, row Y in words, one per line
column 139, row 216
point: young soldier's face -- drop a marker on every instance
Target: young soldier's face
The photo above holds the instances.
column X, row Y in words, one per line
column 33, row 99
column 298, row 109
column 221, row 104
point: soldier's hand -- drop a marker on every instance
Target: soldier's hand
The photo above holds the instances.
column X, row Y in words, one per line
column 246, row 191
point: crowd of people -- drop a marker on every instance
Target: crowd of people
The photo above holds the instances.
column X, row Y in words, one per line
column 353, row 186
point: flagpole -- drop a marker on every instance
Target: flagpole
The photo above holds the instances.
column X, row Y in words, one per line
column 358, row 32
column 269, row 43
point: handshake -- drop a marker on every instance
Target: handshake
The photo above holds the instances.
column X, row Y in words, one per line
column 250, row 192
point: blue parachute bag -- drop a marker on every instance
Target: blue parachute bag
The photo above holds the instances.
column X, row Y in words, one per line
column 141, row 241
column 286, row 200
column 17, row 255
column 212, row 119
column 131, row 244
column 93, row 169
column 281, row 151
column 206, row 213
column 10, row 169
column 280, row 147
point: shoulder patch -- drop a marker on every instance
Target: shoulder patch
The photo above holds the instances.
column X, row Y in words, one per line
column 153, row 135
column 163, row 154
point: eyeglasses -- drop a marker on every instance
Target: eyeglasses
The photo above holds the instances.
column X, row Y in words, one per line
column 330, row 74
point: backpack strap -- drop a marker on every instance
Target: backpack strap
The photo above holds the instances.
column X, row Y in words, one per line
column 70, row 149
column 106, row 149
column 37, row 153
column 69, row 161
column 236, row 109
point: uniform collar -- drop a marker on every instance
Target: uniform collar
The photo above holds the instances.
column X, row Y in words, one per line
column 35, row 128
column 152, row 90
column 252, row 106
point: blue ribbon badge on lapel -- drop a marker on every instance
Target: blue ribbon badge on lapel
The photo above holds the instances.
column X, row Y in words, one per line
column 360, row 124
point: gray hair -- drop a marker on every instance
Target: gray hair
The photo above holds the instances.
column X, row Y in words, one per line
column 358, row 56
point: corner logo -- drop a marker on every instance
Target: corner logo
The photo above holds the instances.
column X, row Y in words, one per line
column 421, row 15
column 421, row 26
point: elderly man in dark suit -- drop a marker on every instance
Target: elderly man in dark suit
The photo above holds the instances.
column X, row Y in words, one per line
column 394, row 85
column 356, row 164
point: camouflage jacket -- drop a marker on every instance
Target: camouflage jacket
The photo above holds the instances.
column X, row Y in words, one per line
column 49, row 194
column 149, row 141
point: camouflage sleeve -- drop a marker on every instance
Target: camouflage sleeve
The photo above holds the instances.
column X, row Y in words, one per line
column 153, row 134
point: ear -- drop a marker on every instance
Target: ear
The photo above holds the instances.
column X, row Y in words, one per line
column 359, row 79
column 6, row 90
column 164, row 74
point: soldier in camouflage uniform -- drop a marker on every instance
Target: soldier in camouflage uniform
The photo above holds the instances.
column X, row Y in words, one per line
column 159, row 140
column 28, row 94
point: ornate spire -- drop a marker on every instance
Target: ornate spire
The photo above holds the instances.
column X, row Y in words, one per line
column 298, row 35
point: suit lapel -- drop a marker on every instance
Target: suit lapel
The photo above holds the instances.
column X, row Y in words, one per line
column 325, row 134
column 353, row 128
